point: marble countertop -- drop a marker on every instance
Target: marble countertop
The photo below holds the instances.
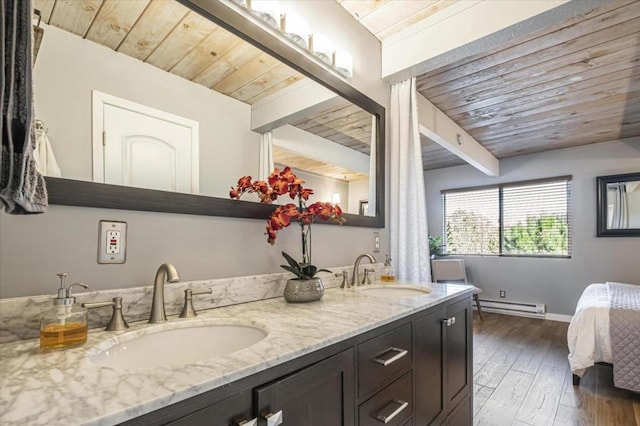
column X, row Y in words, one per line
column 66, row 388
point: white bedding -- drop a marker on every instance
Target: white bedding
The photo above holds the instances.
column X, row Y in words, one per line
column 588, row 334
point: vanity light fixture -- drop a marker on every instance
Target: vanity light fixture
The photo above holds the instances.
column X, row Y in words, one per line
column 293, row 30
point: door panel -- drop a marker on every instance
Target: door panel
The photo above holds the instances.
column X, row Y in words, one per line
column 320, row 395
column 428, row 367
column 458, row 349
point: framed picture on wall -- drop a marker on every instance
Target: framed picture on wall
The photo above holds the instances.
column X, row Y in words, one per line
column 364, row 207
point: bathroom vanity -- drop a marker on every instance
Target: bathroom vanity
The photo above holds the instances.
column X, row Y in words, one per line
column 349, row 383
column 348, row 359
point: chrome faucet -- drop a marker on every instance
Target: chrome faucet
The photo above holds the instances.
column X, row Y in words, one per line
column 168, row 271
column 355, row 277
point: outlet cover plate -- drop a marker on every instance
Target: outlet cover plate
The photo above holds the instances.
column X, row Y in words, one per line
column 112, row 242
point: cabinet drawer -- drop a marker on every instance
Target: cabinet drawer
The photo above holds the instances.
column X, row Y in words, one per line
column 230, row 411
column 395, row 402
column 383, row 358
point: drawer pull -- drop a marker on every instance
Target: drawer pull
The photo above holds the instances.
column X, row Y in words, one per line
column 274, row 419
column 449, row 321
column 389, row 356
column 252, row 422
column 386, row 418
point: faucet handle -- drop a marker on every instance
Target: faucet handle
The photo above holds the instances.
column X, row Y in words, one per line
column 187, row 310
column 344, row 275
column 117, row 322
column 366, row 277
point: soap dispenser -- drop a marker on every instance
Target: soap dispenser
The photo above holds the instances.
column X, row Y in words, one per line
column 388, row 275
column 65, row 325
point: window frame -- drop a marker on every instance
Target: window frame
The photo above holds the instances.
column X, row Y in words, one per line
column 500, row 187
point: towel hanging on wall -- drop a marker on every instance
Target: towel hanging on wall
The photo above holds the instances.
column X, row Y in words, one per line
column 44, row 157
column 22, row 187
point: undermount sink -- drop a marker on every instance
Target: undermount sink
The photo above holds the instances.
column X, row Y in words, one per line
column 181, row 344
column 399, row 291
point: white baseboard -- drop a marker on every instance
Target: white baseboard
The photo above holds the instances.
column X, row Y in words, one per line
column 548, row 316
column 558, row 317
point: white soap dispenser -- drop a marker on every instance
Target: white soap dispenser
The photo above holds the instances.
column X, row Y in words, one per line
column 65, row 324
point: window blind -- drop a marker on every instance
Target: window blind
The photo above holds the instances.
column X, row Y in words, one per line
column 535, row 219
column 515, row 219
column 472, row 222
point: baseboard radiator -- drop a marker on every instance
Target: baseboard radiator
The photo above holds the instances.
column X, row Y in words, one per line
column 536, row 310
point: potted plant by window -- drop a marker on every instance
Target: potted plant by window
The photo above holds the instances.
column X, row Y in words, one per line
column 436, row 247
column 306, row 287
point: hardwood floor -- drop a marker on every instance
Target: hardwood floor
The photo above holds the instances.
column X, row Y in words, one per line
column 522, row 377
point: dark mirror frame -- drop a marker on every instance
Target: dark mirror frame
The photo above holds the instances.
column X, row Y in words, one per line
column 89, row 194
column 602, row 182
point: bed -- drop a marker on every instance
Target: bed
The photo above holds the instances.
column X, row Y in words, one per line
column 589, row 335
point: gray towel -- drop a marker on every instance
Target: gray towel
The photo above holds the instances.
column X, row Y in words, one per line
column 22, row 187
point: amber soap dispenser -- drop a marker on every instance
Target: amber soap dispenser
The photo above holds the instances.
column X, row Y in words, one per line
column 65, row 324
column 388, row 275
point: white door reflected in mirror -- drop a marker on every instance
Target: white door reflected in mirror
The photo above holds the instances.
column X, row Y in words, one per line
column 135, row 145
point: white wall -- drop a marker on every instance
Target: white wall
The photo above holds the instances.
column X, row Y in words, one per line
column 555, row 282
column 68, row 68
column 34, row 248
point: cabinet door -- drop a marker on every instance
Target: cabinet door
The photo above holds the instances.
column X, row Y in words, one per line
column 458, row 352
column 228, row 412
column 461, row 415
column 320, row 395
column 428, row 367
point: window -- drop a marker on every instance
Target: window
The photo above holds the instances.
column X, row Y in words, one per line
column 515, row 219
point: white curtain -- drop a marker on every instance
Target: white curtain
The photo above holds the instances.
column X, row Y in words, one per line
column 618, row 197
column 372, row 168
column 408, row 209
column 266, row 156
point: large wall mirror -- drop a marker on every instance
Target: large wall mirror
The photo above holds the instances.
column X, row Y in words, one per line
column 163, row 105
column 619, row 205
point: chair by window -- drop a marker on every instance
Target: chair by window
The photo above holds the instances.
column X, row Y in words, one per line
column 448, row 270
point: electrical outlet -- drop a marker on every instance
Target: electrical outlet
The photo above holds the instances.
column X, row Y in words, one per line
column 376, row 242
column 112, row 242
column 503, row 294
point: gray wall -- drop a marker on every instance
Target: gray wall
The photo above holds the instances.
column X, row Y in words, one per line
column 34, row 248
column 555, row 282
column 69, row 68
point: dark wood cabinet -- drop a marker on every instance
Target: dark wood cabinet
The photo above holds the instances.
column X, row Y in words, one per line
column 428, row 337
column 413, row 371
column 458, row 338
column 320, row 395
column 442, row 342
column 231, row 411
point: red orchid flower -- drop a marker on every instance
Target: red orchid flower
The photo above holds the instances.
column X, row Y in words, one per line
column 286, row 182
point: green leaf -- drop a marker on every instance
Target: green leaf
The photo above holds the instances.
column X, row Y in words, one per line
column 291, row 261
column 294, row 271
column 310, row 270
column 323, row 270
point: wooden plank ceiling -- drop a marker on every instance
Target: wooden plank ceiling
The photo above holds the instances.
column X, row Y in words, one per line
column 571, row 84
column 386, row 17
column 169, row 36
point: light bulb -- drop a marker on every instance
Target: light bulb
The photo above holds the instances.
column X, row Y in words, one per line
column 268, row 11
column 296, row 28
column 344, row 63
column 322, row 47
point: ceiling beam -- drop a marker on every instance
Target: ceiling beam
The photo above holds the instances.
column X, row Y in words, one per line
column 290, row 104
column 467, row 28
column 441, row 129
